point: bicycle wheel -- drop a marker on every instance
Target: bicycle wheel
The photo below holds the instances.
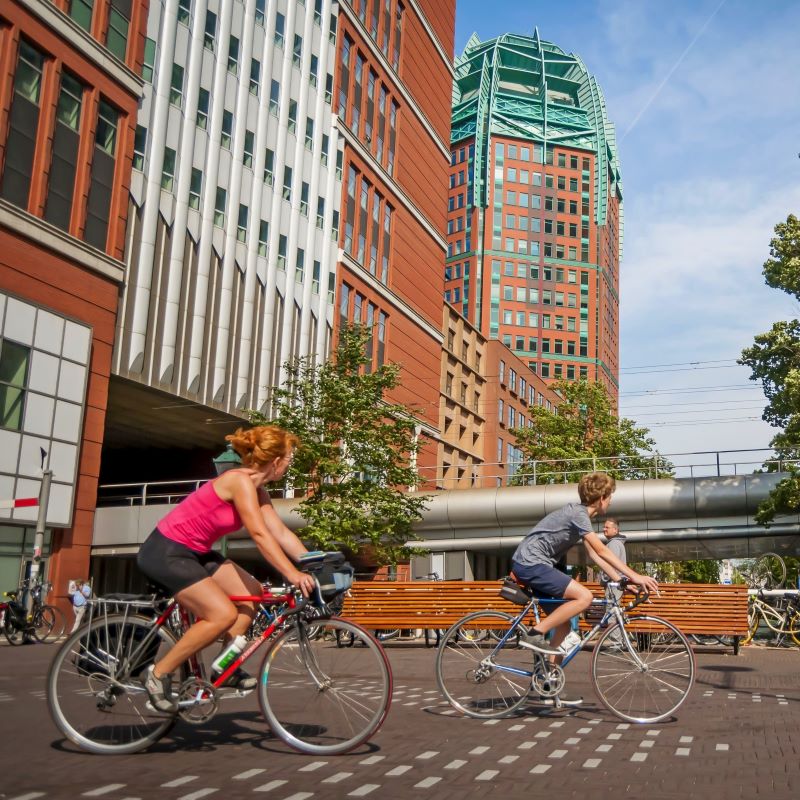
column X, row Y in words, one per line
column 794, row 628
column 753, row 621
column 468, row 672
column 94, row 686
column 320, row 698
column 48, row 624
column 649, row 681
column 475, row 634
column 14, row 633
column 769, row 572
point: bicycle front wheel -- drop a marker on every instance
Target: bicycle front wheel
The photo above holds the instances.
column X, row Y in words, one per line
column 48, row 624
column 95, row 685
column 476, row 677
column 644, row 672
column 321, row 698
column 753, row 621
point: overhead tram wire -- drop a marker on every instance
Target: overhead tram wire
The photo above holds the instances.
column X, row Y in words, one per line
column 680, row 364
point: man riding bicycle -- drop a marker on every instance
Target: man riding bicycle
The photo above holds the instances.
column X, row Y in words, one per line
column 178, row 553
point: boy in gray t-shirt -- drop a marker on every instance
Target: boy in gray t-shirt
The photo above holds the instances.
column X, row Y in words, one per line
column 533, row 562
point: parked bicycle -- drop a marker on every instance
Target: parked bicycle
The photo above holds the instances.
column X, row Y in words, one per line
column 42, row 624
column 316, row 697
column 780, row 614
column 768, row 571
column 638, row 674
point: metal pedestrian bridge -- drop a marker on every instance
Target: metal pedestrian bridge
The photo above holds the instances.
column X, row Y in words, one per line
column 663, row 519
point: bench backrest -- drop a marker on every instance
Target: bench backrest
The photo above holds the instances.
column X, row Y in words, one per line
column 694, row 608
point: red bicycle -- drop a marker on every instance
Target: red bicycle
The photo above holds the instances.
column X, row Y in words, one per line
column 317, row 697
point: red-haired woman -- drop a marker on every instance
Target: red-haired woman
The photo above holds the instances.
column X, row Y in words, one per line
column 178, row 553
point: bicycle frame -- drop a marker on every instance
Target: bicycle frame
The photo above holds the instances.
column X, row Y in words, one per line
column 770, row 614
column 613, row 612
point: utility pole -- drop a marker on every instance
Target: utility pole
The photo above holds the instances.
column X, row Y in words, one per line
column 41, row 523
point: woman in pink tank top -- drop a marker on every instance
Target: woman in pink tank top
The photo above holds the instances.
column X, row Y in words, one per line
column 178, row 553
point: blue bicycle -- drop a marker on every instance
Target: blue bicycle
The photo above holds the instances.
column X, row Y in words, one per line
column 642, row 666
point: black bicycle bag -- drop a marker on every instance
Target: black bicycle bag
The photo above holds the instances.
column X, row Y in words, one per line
column 514, row 593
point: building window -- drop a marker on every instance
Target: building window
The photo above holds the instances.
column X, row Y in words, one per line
column 65, row 142
column 269, row 166
column 14, row 362
column 233, row 56
column 304, row 199
column 362, row 221
column 280, row 29
column 81, row 12
column 255, row 75
column 287, row 184
column 149, row 60
column 202, row 109
column 300, row 265
column 328, row 88
column 249, row 143
column 139, row 147
column 210, row 34
column 392, row 137
column 309, row 133
column 320, row 212
column 195, row 187
column 23, row 124
column 398, row 30
column 98, row 205
column 292, row 120
column 274, row 98
column 219, row 207
column 184, row 11
column 118, row 25
column 261, row 6
column 176, row 86
column 344, row 83
column 241, row 225
column 227, row 129
column 282, row 252
column 263, row 237
column 297, row 50
column 168, row 171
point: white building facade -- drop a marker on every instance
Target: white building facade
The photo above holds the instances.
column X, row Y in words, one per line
column 233, row 226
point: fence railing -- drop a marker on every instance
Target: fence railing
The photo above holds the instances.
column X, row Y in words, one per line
column 483, row 475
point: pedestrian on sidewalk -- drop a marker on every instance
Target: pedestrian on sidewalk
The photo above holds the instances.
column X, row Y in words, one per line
column 615, row 542
column 80, row 597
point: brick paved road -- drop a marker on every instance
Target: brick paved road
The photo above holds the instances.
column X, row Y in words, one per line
column 738, row 736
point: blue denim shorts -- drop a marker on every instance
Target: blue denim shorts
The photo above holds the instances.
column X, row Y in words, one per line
column 546, row 581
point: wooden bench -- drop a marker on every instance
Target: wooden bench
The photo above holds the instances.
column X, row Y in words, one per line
column 378, row 605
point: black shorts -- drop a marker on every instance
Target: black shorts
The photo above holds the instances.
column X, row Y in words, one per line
column 174, row 565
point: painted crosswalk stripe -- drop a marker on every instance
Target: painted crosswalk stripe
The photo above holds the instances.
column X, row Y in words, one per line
column 487, row 775
column 403, row 768
column 250, row 773
column 314, row 765
column 364, row 790
column 111, row 787
column 300, row 796
column 268, row 787
column 455, row 764
column 339, row 776
column 592, row 763
column 29, row 796
column 198, row 794
column 179, row 781
column 426, row 783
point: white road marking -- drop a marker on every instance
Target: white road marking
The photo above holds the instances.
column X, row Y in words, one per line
column 180, row 781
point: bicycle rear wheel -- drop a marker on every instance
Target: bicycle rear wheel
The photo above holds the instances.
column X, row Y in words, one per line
column 95, row 685
column 14, row 633
column 48, row 624
column 753, row 621
column 467, row 670
column 321, row 698
column 645, row 676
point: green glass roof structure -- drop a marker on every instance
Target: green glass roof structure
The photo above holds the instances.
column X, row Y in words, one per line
column 521, row 86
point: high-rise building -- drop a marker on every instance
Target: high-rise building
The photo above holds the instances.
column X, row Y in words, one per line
column 393, row 89
column 535, row 208
column 232, row 241
column 69, row 91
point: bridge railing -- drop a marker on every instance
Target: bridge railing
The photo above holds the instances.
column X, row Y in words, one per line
column 483, row 475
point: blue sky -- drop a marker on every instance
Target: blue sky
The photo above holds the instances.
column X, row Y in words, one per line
column 705, row 96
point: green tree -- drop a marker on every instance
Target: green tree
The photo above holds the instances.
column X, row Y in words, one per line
column 355, row 463
column 584, row 433
column 694, row 571
column 774, row 359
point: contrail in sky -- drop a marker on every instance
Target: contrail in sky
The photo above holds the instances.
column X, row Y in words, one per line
column 672, row 70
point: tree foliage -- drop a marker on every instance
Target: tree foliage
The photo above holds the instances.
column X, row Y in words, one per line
column 774, row 360
column 693, row 571
column 584, row 434
column 355, row 463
